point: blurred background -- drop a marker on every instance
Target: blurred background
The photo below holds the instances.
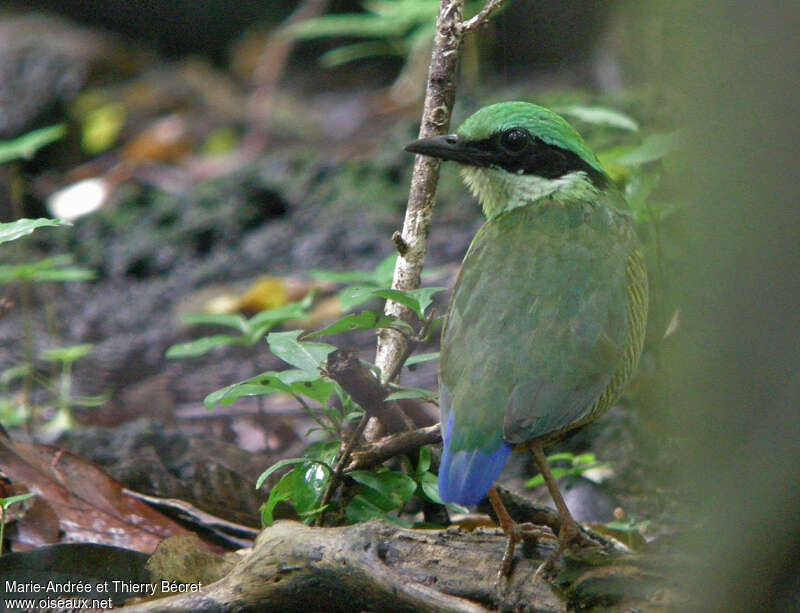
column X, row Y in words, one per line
column 214, row 155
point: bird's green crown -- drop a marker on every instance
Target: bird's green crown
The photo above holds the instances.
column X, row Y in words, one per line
column 516, row 153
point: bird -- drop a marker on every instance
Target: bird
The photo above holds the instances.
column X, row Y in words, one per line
column 547, row 318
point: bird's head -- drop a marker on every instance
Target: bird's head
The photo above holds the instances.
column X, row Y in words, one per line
column 516, row 153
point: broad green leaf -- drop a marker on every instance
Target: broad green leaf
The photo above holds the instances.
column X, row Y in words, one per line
column 323, row 451
column 15, row 229
column 366, row 320
column 395, row 486
column 429, row 483
column 599, row 116
column 265, row 383
column 303, row 355
column 28, row 144
column 284, row 463
column 280, row 493
column 309, row 483
column 414, row 392
column 360, row 510
column 422, row 357
column 653, row 148
column 201, row 346
column 317, row 389
column 351, row 297
column 424, row 297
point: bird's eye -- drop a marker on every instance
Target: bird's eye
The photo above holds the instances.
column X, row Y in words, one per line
column 514, row 140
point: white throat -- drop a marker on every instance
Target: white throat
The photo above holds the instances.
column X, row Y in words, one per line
column 499, row 191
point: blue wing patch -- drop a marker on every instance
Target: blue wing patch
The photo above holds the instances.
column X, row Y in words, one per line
column 465, row 476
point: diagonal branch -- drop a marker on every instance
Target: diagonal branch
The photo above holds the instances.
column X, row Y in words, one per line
column 439, row 98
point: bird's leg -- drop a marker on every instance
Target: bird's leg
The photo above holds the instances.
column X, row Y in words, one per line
column 570, row 532
column 509, row 528
column 514, row 531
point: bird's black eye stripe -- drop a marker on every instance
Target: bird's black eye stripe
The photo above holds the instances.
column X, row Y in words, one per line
column 515, row 140
column 517, row 151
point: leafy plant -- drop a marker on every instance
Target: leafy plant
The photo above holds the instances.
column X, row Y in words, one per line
column 576, row 465
column 5, row 503
column 52, row 269
column 376, row 493
column 61, row 387
column 384, row 492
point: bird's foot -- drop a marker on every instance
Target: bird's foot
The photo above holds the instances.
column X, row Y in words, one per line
column 530, row 533
column 569, row 535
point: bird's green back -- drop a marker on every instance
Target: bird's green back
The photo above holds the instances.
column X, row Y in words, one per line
column 543, row 322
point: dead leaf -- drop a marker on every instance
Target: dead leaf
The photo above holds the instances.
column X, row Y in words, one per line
column 89, row 505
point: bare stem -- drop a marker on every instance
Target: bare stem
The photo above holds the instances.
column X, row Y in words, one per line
column 344, row 458
column 439, row 98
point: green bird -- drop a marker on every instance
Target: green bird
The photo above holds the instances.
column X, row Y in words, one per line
column 547, row 318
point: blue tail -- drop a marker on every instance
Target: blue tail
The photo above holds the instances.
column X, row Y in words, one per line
column 465, row 476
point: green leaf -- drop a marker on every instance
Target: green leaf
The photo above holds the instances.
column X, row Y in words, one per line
column 414, row 392
column 294, row 310
column 280, row 493
column 323, row 451
column 49, row 269
column 357, row 51
column 424, row 297
column 424, row 462
column 201, row 346
column 237, row 322
column 395, row 487
column 380, row 277
column 429, row 483
column 309, row 483
column 653, row 148
column 67, row 355
column 351, row 297
column 15, row 229
column 559, row 472
column 7, row 502
column 360, row 510
column 348, row 24
column 287, row 462
column 303, row 355
column 265, row 383
column 28, row 144
column 422, row 357
column 599, row 116
column 366, row 320
column 317, row 389
column 627, row 525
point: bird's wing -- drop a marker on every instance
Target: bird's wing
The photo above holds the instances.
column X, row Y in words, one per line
column 537, row 324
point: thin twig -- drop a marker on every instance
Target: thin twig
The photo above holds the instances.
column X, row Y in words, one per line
column 344, row 458
column 482, row 17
